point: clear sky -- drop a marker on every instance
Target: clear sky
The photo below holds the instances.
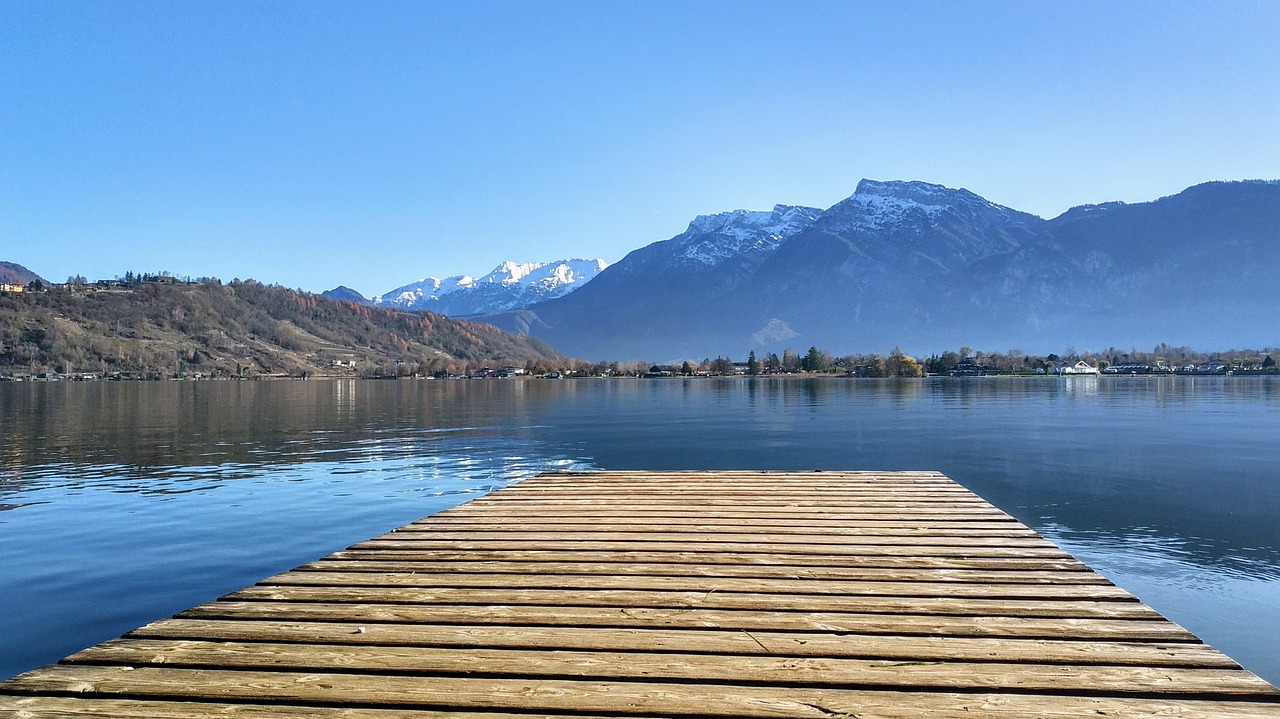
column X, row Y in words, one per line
column 372, row 143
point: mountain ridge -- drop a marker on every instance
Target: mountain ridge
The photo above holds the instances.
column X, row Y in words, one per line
column 923, row 265
column 511, row 285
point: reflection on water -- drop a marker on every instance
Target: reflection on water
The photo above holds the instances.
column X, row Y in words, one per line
column 124, row 502
column 1225, row 593
column 1145, row 551
column 129, row 502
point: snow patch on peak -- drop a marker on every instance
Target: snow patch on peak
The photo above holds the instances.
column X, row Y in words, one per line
column 879, row 205
column 712, row 239
column 512, row 272
column 903, row 188
column 510, row 285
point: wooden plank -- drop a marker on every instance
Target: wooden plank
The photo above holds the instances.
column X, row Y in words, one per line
column 731, row 669
column 1011, row 606
column 932, row 647
column 644, row 698
column 714, row 480
column 99, row 707
column 626, row 522
column 684, row 476
column 674, row 559
column 756, row 501
column 710, row 531
column 684, row 512
column 890, row 549
column 425, row 562
column 751, row 585
column 874, row 495
column 751, row 494
column 938, row 494
column 897, row 537
column 796, row 513
column 1082, row 628
column 716, row 487
column 744, row 502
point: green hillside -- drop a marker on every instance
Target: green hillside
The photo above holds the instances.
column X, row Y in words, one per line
column 165, row 328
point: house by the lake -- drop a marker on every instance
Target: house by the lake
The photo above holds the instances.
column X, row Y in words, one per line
column 1139, row 368
column 1213, row 366
column 969, row 368
column 1080, row 367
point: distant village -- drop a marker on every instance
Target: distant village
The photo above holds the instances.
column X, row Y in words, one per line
column 80, row 283
column 863, row 366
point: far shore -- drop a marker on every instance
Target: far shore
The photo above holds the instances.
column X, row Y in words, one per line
column 42, row 378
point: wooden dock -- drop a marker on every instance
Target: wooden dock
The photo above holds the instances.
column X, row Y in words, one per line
column 823, row 595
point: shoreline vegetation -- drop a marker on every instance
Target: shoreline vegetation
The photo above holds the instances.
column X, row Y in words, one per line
column 159, row 327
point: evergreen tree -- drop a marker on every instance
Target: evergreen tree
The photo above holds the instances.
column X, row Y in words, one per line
column 753, row 366
column 813, row 361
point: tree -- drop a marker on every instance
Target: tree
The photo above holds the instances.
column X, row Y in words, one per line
column 686, row 369
column 1268, row 363
column 753, row 365
column 772, row 364
column 873, row 365
column 822, row 362
column 790, row 360
column 901, row 365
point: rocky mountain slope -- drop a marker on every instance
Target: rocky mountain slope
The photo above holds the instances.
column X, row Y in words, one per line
column 929, row 268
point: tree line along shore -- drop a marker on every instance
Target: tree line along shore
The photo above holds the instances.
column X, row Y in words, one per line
column 153, row 327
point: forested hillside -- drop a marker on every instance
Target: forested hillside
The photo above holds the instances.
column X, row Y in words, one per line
column 12, row 273
column 169, row 328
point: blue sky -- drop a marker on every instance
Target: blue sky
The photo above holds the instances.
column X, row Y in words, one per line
column 368, row 144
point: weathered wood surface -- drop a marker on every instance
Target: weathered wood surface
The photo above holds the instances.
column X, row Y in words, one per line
column 615, row 594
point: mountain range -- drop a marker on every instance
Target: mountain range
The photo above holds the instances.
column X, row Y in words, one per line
column 510, row 286
column 928, row 268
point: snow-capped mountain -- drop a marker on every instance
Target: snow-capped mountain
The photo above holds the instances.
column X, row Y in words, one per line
column 877, row 206
column 929, row 267
column 715, row 249
column 713, row 239
column 509, row 286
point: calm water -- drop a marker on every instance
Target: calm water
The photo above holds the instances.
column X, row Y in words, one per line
column 124, row 503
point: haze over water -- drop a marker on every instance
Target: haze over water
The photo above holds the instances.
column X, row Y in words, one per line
column 122, row 503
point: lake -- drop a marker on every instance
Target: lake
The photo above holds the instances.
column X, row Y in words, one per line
column 122, row 503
